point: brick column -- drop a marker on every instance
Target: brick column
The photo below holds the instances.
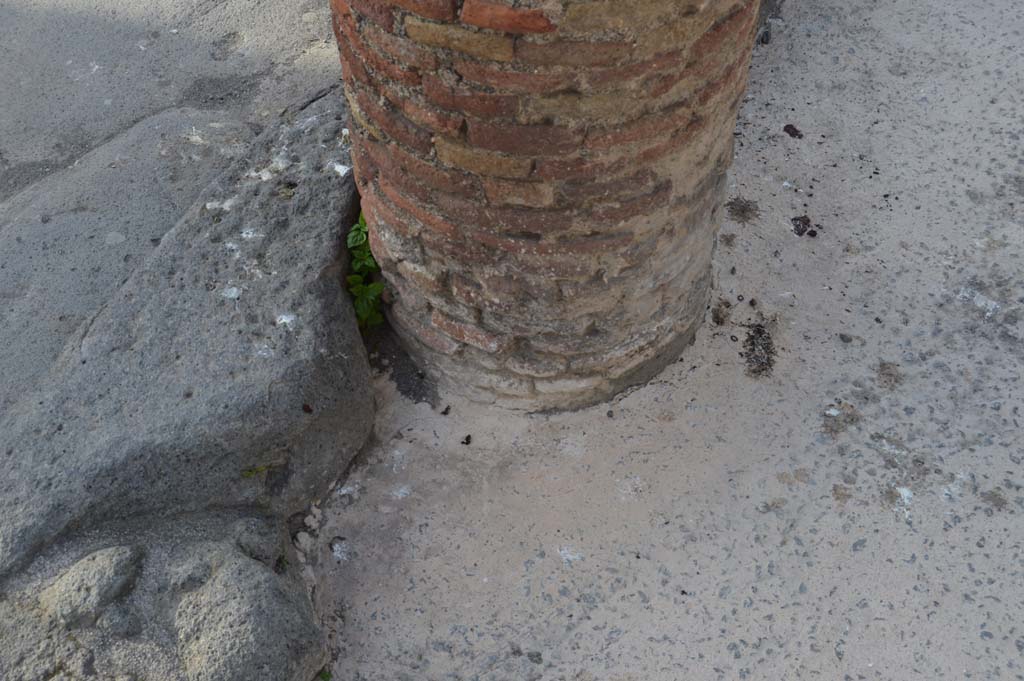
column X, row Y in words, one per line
column 543, row 180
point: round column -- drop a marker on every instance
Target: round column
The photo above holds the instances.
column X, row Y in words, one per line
column 543, row 181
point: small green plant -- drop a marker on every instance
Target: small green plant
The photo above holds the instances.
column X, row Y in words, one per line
column 324, row 675
column 365, row 291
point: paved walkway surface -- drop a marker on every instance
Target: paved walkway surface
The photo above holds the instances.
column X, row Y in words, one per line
column 77, row 73
column 853, row 512
column 114, row 115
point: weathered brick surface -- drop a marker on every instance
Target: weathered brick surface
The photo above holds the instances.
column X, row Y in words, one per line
column 500, row 16
column 543, row 180
column 460, row 39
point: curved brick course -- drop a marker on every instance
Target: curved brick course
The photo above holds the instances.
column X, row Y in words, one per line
column 542, row 180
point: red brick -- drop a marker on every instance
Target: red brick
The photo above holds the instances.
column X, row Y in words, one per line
column 734, row 76
column 679, row 139
column 431, row 118
column 368, row 204
column 637, row 206
column 506, row 287
column 380, row 251
column 577, row 53
column 501, row 17
column 619, row 189
column 441, row 10
column 338, row 8
column 473, row 102
column 388, row 242
column 457, row 38
column 528, row 223
column 413, row 208
column 422, row 114
column 550, row 266
column 424, row 279
column 481, row 161
column 376, row 212
column 647, row 127
column 473, row 253
column 473, row 293
column 696, row 71
column 398, row 162
column 616, row 75
column 381, row 13
column 594, row 243
column 523, row 140
column 384, row 214
column 511, row 193
column 509, row 80
column 417, row 192
column 394, row 124
column 578, row 167
column 365, row 165
column 389, row 248
column 658, row 85
column 738, row 23
column 352, row 65
column 425, row 333
column 425, row 116
column 370, row 57
column 404, row 292
column 470, row 214
column 567, row 247
column 400, row 50
column 469, row 334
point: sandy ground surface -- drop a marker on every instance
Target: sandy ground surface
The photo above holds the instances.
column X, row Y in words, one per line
column 827, row 485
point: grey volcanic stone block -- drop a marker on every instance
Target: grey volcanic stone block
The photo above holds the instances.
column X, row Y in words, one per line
column 68, row 242
column 245, row 623
column 95, row 581
column 192, row 606
column 227, row 370
column 148, row 478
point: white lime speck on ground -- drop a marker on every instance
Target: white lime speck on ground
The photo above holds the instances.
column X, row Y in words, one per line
column 569, row 555
column 225, row 205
